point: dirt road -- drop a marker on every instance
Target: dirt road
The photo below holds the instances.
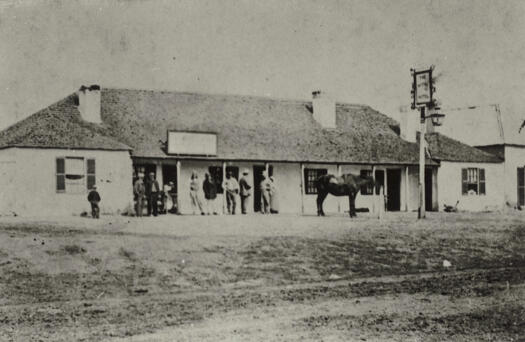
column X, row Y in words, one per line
column 263, row 278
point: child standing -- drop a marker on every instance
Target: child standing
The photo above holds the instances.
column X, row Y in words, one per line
column 94, row 199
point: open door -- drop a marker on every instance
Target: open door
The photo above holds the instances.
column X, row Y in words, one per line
column 428, row 190
column 393, row 187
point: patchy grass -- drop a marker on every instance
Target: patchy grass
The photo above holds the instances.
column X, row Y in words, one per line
column 126, row 277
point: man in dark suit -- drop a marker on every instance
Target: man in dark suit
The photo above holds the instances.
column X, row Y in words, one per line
column 152, row 194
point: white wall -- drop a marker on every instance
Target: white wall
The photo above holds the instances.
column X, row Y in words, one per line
column 514, row 158
column 33, row 187
column 449, row 187
column 8, row 174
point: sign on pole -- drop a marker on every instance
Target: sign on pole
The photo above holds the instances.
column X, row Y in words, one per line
column 422, row 88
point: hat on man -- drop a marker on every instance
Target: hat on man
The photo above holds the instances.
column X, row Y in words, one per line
column 94, row 187
column 245, row 171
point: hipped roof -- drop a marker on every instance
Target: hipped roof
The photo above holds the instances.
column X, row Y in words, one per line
column 247, row 128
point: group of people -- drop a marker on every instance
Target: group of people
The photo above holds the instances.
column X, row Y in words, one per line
column 232, row 189
column 203, row 195
column 147, row 192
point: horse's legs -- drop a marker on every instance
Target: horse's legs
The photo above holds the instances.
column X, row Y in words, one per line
column 351, row 199
column 320, row 199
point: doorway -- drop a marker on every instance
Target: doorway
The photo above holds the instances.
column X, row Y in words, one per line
column 169, row 174
column 393, row 187
column 257, row 179
column 428, row 190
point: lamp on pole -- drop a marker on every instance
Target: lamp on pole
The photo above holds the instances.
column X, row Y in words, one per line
column 422, row 98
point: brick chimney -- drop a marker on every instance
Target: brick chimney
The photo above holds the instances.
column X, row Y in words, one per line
column 409, row 123
column 89, row 103
column 323, row 110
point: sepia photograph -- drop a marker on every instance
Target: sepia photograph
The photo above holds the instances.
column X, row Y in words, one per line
column 247, row 170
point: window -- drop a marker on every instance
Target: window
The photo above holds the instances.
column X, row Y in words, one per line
column 367, row 189
column 473, row 181
column 74, row 175
column 310, row 176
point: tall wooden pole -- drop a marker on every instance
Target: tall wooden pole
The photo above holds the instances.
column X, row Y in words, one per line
column 421, row 212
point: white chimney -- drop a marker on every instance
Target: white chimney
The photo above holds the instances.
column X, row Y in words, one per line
column 89, row 103
column 323, row 110
column 409, row 124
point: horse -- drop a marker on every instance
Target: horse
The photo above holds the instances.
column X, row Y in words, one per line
column 345, row 185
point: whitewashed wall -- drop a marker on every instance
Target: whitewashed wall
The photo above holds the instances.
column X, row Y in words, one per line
column 8, row 172
column 449, row 187
column 32, row 188
column 514, row 158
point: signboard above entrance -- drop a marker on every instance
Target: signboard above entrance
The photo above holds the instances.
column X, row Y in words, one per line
column 192, row 143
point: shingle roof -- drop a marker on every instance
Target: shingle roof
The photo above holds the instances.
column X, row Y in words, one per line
column 253, row 128
column 444, row 148
column 247, row 127
column 58, row 126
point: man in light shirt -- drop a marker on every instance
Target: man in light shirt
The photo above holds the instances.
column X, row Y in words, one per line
column 231, row 187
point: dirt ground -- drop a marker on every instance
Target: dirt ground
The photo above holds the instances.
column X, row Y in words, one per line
column 263, row 278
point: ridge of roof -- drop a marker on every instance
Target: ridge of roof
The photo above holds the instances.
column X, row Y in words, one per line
column 231, row 95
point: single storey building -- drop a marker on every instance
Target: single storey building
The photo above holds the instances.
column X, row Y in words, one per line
column 104, row 137
column 500, row 132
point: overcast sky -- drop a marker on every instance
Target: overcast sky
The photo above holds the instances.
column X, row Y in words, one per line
column 357, row 51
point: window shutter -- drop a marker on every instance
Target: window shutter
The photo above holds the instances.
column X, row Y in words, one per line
column 91, row 175
column 521, row 186
column 60, row 175
column 482, row 181
column 464, row 181
column 307, row 181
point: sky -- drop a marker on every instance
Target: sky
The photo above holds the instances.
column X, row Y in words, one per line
column 355, row 51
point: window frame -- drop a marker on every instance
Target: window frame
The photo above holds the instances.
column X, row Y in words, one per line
column 309, row 182
column 61, row 175
column 480, row 183
column 368, row 189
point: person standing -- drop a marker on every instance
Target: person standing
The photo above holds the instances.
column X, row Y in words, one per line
column 245, row 190
column 274, row 203
column 152, row 193
column 194, row 193
column 94, row 199
column 265, row 194
column 210, row 194
column 139, row 191
column 172, row 193
column 231, row 187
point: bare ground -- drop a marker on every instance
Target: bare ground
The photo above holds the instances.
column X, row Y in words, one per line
column 264, row 278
